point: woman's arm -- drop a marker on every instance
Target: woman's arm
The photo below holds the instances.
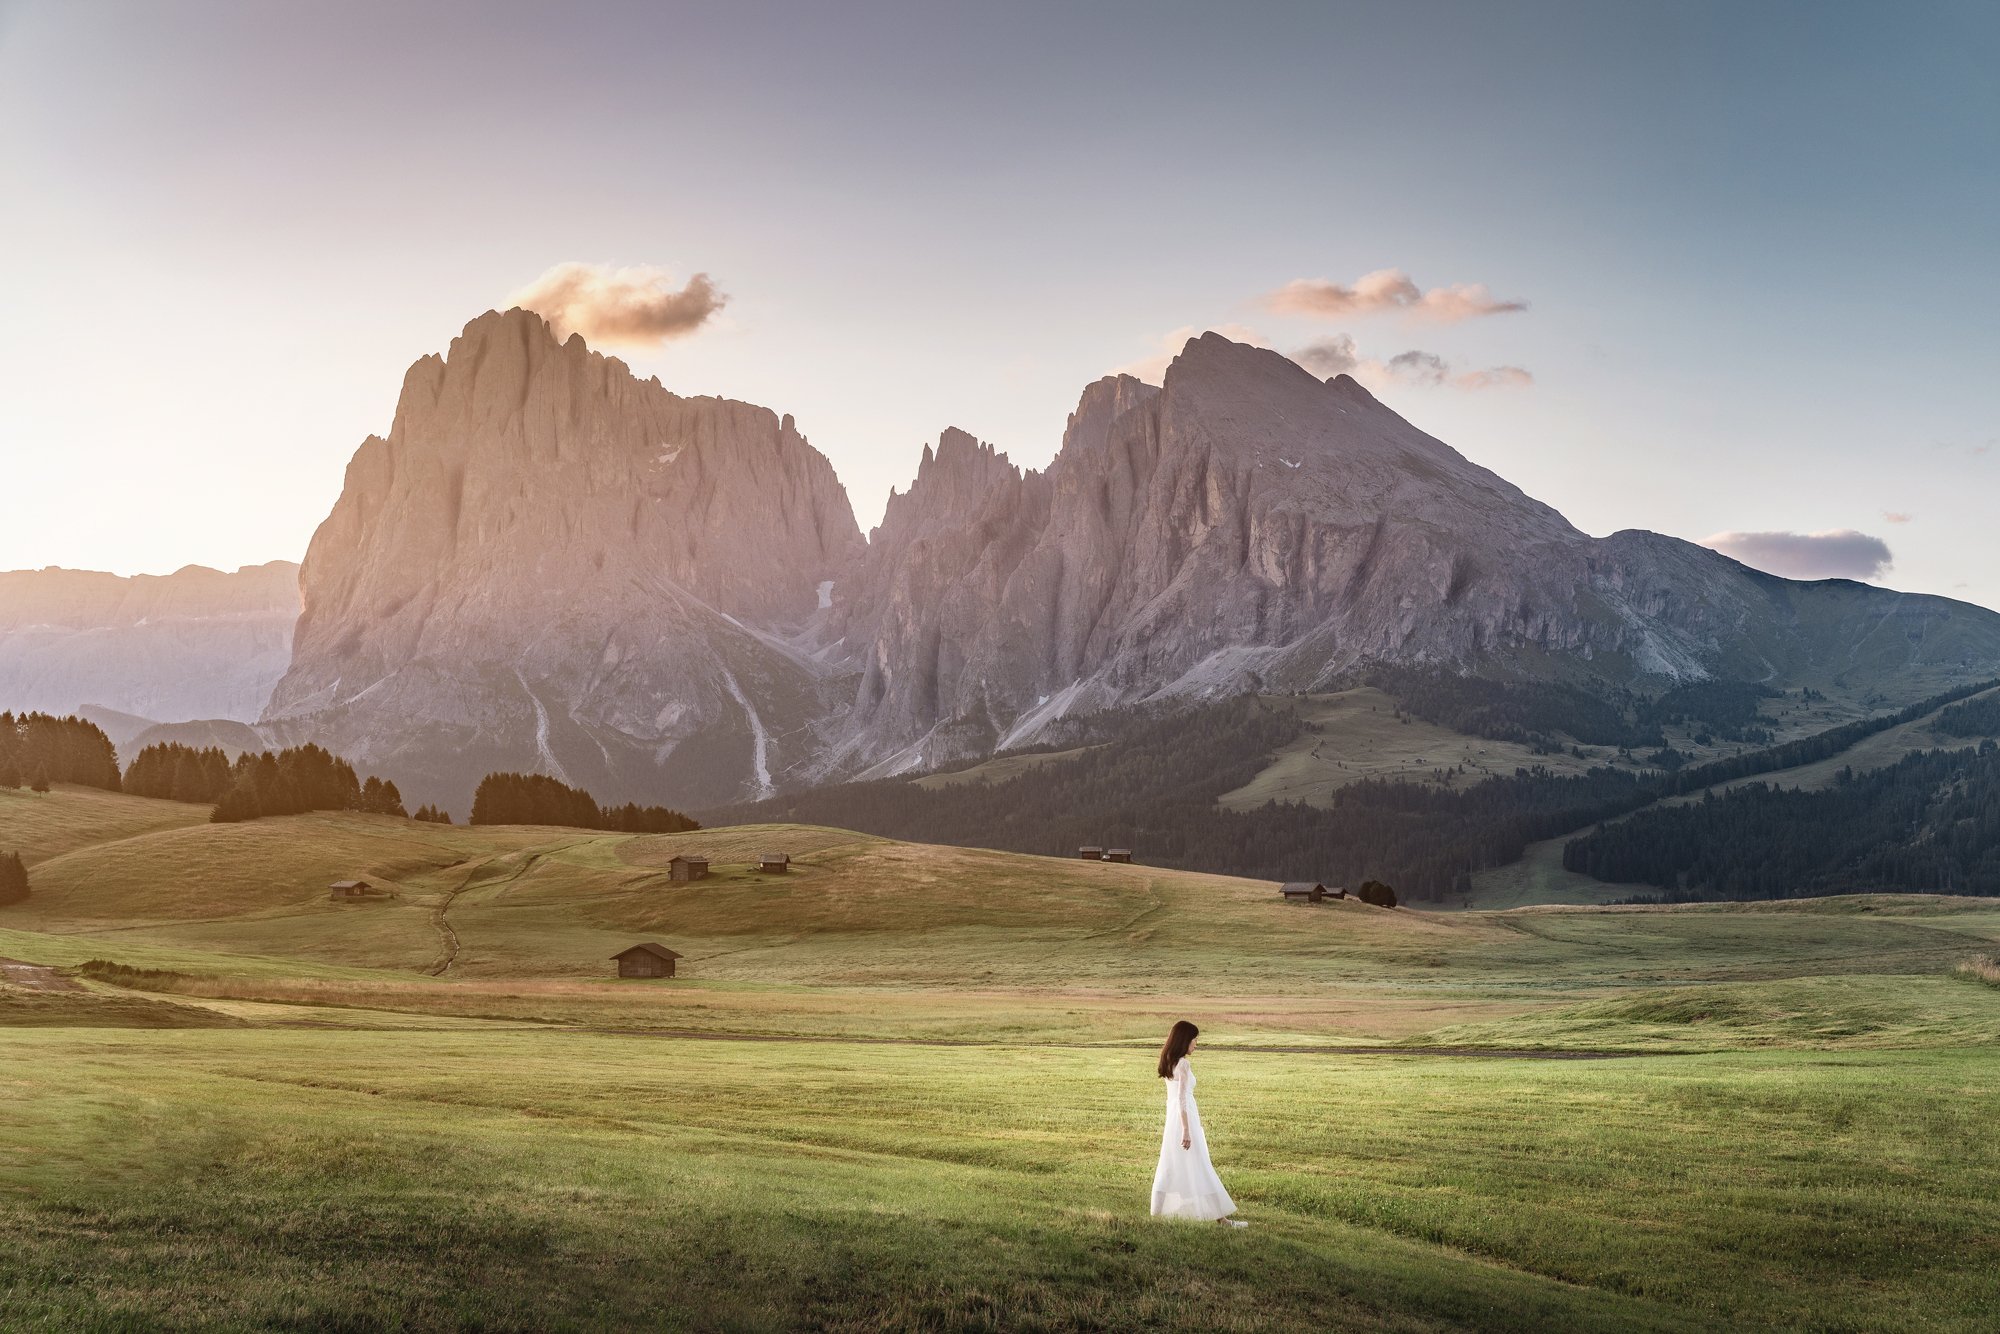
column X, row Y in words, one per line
column 1181, row 1078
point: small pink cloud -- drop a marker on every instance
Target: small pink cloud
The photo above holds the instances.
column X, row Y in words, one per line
column 1495, row 377
column 636, row 307
column 1896, row 516
column 1387, row 291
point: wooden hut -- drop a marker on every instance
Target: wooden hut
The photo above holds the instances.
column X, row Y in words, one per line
column 687, row 868
column 1090, row 853
column 1302, row 891
column 1118, row 854
column 646, row 959
column 340, row 891
column 774, row 863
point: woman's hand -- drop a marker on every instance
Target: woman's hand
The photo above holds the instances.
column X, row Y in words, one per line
column 1187, row 1140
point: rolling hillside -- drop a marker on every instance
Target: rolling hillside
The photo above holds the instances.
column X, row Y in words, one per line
column 916, row 1080
column 519, row 922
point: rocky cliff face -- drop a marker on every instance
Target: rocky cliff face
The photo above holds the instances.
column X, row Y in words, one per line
column 551, row 565
column 198, row 643
column 1249, row 526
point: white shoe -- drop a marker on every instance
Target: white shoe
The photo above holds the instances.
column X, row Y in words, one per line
column 1233, row 1222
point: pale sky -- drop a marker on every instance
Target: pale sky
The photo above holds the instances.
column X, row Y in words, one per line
column 1754, row 242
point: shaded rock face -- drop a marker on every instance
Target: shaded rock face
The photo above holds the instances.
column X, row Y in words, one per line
column 549, row 565
column 1248, row 526
column 198, row 643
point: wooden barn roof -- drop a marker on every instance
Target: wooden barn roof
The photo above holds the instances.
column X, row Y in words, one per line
column 648, row 947
column 1301, row 887
column 348, row 884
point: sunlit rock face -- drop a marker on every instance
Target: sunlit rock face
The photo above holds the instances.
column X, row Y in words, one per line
column 198, row 643
column 551, row 565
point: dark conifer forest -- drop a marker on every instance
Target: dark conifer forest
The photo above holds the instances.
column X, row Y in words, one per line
column 37, row 749
column 508, row 798
column 1974, row 717
column 13, row 879
column 174, row 772
column 1928, row 823
column 1152, row 785
column 300, row 779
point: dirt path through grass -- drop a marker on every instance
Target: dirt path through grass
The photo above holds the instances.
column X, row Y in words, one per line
column 447, row 934
column 35, row 977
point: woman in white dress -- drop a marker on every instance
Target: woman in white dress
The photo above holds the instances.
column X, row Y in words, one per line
column 1185, row 1185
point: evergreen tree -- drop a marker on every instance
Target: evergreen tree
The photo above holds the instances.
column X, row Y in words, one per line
column 40, row 782
column 13, row 879
column 64, row 750
column 507, row 798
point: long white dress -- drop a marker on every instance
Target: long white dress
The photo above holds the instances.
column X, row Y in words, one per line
column 1185, row 1185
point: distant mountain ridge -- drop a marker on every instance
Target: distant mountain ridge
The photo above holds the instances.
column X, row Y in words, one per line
column 551, row 565
column 1249, row 526
column 197, row 643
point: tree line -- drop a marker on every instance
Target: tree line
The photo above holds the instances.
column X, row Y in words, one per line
column 298, row 779
column 512, row 798
column 1154, row 789
column 13, row 879
column 1975, row 717
column 1930, row 822
column 175, row 772
column 1154, row 784
column 37, row 749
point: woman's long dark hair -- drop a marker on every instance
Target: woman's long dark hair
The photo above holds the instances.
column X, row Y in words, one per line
column 1179, row 1038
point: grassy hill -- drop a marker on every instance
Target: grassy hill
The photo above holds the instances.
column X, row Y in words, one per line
column 909, row 1086
column 41, row 825
column 513, row 921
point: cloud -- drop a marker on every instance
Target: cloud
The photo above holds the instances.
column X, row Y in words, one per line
column 1896, row 516
column 1169, row 345
column 1329, row 356
column 635, row 307
column 1840, row 553
column 1387, row 291
column 1423, row 370
column 1496, row 377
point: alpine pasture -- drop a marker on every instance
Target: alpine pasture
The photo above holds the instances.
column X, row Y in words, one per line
column 912, row 1086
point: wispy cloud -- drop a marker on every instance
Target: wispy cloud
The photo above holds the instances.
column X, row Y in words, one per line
column 1329, row 356
column 1495, row 377
column 1427, row 370
column 1338, row 354
column 1840, row 553
column 1387, row 291
column 637, row 307
column 1896, row 516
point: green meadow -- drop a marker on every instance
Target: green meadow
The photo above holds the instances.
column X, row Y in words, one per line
column 911, row 1087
